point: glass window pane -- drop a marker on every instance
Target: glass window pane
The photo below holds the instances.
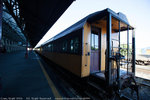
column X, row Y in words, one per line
column 92, row 41
column 71, row 45
column 76, row 45
column 96, row 42
column 64, row 47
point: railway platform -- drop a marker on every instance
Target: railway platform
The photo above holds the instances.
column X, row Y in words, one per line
column 26, row 78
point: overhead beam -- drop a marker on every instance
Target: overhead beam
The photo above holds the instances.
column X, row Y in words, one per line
column 11, row 10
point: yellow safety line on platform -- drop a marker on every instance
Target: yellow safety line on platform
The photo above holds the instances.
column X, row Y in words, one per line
column 51, row 84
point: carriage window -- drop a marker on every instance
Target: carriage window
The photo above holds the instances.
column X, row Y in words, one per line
column 71, row 45
column 94, row 41
column 52, row 48
column 76, row 45
column 46, row 47
column 49, row 47
column 64, row 47
column 57, row 46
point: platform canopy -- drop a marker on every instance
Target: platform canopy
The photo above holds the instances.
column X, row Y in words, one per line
column 36, row 17
column 10, row 29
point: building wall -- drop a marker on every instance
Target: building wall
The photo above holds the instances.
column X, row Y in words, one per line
column 9, row 45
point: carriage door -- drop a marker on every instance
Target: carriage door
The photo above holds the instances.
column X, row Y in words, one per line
column 95, row 58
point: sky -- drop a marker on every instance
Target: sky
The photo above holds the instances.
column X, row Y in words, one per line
column 137, row 12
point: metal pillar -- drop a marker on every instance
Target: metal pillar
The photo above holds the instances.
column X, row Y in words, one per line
column 26, row 54
column 118, row 67
column 127, row 49
column 1, row 10
column 108, row 51
column 133, row 51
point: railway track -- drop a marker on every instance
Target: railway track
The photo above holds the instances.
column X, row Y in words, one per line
column 92, row 90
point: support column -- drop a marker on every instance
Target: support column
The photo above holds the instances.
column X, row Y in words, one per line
column 1, row 9
column 26, row 54
column 128, row 49
column 118, row 67
column 133, row 51
column 108, row 51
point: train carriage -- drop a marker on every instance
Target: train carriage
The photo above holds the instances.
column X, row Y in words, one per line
column 93, row 46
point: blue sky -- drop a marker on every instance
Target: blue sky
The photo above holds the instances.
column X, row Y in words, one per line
column 137, row 12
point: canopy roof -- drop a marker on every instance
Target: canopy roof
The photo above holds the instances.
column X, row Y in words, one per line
column 36, row 17
column 94, row 17
column 10, row 28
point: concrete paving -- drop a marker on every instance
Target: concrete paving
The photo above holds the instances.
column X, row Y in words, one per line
column 143, row 71
column 21, row 77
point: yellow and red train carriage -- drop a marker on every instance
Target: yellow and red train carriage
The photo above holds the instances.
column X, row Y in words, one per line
column 94, row 46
